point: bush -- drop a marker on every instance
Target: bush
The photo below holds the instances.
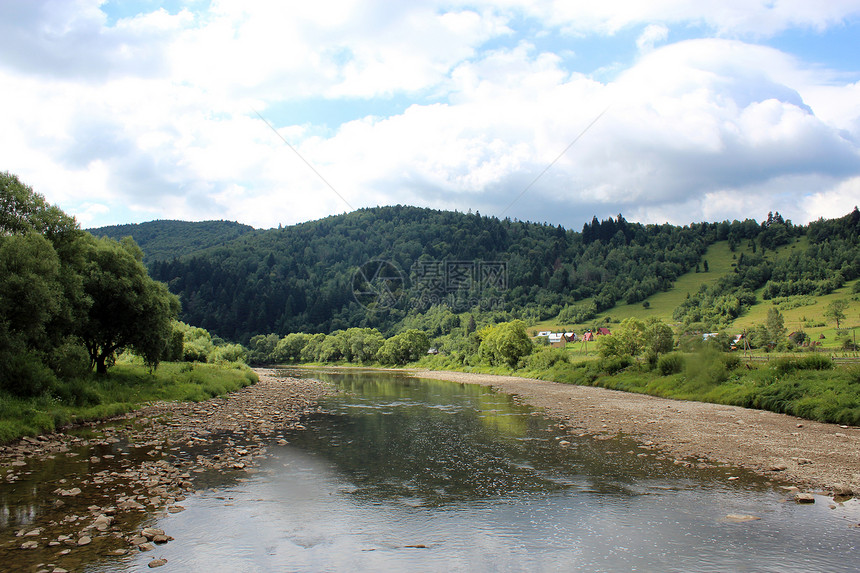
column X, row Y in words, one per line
column 71, row 360
column 816, row 362
column 810, row 362
column 670, row 364
column 708, row 367
column 612, row 365
column 228, row 353
column 77, row 393
column 546, row 358
column 23, row 374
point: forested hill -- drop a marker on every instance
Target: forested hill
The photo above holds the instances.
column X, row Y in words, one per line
column 162, row 240
column 303, row 278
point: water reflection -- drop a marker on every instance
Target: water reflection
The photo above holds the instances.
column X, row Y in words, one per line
column 433, row 443
column 405, row 474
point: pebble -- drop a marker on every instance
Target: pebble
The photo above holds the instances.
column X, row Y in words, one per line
column 157, row 563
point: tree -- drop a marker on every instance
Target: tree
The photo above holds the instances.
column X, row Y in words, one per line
column 129, row 309
column 836, row 311
column 289, row 348
column 30, row 291
column 775, row 325
column 23, row 210
column 362, row 344
column 658, row 338
column 405, row 347
column 627, row 340
column 262, row 346
column 505, row 343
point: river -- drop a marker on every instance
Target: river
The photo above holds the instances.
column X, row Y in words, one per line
column 399, row 473
column 425, row 475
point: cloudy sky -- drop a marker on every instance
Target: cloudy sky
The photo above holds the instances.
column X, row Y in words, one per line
column 277, row 112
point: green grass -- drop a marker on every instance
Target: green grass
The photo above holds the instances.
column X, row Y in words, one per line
column 809, row 386
column 810, row 317
column 662, row 304
column 807, row 313
column 124, row 388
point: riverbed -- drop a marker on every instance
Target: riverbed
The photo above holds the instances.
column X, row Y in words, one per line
column 383, row 471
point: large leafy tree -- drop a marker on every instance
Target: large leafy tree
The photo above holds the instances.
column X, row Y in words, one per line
column 408, row 346
column 129, row 309
column 626, row 340
column 23, row 210
column 505, row 343
column 61, row 288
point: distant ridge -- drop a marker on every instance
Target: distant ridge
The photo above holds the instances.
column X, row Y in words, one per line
column 164, row 240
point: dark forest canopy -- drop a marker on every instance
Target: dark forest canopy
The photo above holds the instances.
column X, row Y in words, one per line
column 303, row 278
column 164, row 240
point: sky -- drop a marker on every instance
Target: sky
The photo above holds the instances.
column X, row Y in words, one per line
column 273, row 113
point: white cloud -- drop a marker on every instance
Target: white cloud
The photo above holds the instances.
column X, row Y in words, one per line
column 651, row 36
column 834, row 202
column 153, row 116
column 757, row 18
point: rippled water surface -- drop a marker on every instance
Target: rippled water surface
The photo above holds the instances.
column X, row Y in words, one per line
column 424, row 475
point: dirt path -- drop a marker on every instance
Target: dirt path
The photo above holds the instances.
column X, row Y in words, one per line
column 805, row 453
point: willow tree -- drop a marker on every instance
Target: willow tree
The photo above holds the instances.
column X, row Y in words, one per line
column 129, row 310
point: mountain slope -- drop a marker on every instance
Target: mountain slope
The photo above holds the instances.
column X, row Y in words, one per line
column 164, row 240
column 308, row 277
column 300, row 278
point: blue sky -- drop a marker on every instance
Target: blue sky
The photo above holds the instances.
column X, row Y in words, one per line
column 131, row 111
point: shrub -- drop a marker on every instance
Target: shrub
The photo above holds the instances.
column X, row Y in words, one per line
column 670, row 364
column 816, row 362
column 612, row 365
column 708, row 367
column 228, row 353
column 77, row 393
column 71, row 360
column 546, row 358
column 24, row 374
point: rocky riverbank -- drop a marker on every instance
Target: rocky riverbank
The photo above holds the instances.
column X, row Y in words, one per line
column 93, row 492
column 806, row 454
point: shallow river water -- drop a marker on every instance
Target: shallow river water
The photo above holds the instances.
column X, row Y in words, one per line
column 404, row 474
column 422, row 475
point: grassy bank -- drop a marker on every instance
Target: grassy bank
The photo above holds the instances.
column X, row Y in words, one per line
column 809, row 386
column 124, row 388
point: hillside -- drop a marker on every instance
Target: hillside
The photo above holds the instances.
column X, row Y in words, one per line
column 326, row 275
column 302, row 278
column 164, row 240
column 800, row 312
